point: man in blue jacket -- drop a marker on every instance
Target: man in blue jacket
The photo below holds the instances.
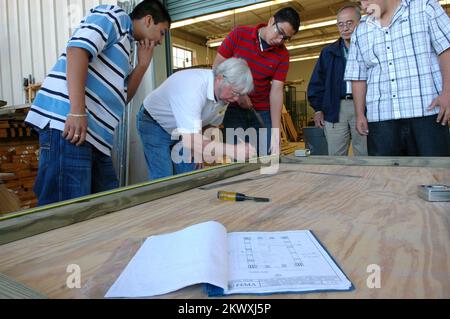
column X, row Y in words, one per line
column 330, row 96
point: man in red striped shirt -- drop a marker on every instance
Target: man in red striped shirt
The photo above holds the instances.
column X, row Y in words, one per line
column 264, row 50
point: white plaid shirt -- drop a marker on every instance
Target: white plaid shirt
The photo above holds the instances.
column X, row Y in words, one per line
column 400, row 62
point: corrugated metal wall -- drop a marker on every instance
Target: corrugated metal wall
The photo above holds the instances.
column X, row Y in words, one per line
column 184, row 9
column 33, row 34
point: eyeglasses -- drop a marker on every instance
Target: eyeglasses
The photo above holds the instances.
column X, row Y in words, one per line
column 349, row 24
column 280, row 32
column 236, row 93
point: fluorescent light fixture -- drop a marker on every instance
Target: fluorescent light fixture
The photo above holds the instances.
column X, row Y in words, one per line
column 311, row 44
column 318, row 25
column 214, row 43
column 259, row 6
column 186, row 22
column 213, row 16
column 218, row 42
column 304, row 57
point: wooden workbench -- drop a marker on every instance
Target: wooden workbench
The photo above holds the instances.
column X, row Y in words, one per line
column 364, row 211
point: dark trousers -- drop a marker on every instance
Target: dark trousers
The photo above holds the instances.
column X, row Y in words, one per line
column 420, row 136
column 236, row 117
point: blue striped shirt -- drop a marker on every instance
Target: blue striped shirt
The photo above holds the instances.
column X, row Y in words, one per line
column 106, row 33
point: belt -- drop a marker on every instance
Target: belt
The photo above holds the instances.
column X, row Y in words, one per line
column 347, row 97
column 148, row 114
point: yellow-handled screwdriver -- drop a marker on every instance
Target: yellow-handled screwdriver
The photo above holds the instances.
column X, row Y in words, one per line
column 238, row 197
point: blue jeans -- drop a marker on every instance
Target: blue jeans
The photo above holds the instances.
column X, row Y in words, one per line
column 420, row 136
column 236, row 117
column 67, row 171
column 158, row 144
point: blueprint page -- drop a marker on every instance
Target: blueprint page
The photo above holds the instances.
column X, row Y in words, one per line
column 271, row 262
column 168, row 262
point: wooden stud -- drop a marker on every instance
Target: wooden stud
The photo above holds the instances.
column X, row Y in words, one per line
column 62, row 214
column 11, row 289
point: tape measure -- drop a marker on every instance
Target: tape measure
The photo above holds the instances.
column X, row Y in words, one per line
column 434, row 193
column 302, row 153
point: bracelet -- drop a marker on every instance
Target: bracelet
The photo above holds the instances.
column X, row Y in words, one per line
column 77, row 115
column 318, row 112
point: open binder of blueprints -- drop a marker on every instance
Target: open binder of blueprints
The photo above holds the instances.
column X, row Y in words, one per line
column 234, row 263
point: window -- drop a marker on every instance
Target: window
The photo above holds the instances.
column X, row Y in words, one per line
column 182, row 58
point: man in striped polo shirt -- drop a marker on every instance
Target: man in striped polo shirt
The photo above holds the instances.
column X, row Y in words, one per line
column 83, row 97
column 264, row 50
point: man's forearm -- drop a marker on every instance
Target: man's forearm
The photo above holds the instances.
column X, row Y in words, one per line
column 359, row 89
column 134, row 80
column 276, row 105
column 77, row 71
column 203, row 149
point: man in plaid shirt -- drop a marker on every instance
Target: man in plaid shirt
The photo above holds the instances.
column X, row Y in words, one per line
column 399, row 65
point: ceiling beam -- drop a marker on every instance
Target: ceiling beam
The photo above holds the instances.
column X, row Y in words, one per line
column 328, row 10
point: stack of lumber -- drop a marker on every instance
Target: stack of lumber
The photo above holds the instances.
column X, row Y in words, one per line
column 19, row 162
column 288, row 131
column 13, row 126
column 291, row 147
column 288, row 134
column 9, row 202
column 19, row 158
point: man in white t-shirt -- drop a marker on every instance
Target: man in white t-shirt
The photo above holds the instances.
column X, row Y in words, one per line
column 181, row 107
